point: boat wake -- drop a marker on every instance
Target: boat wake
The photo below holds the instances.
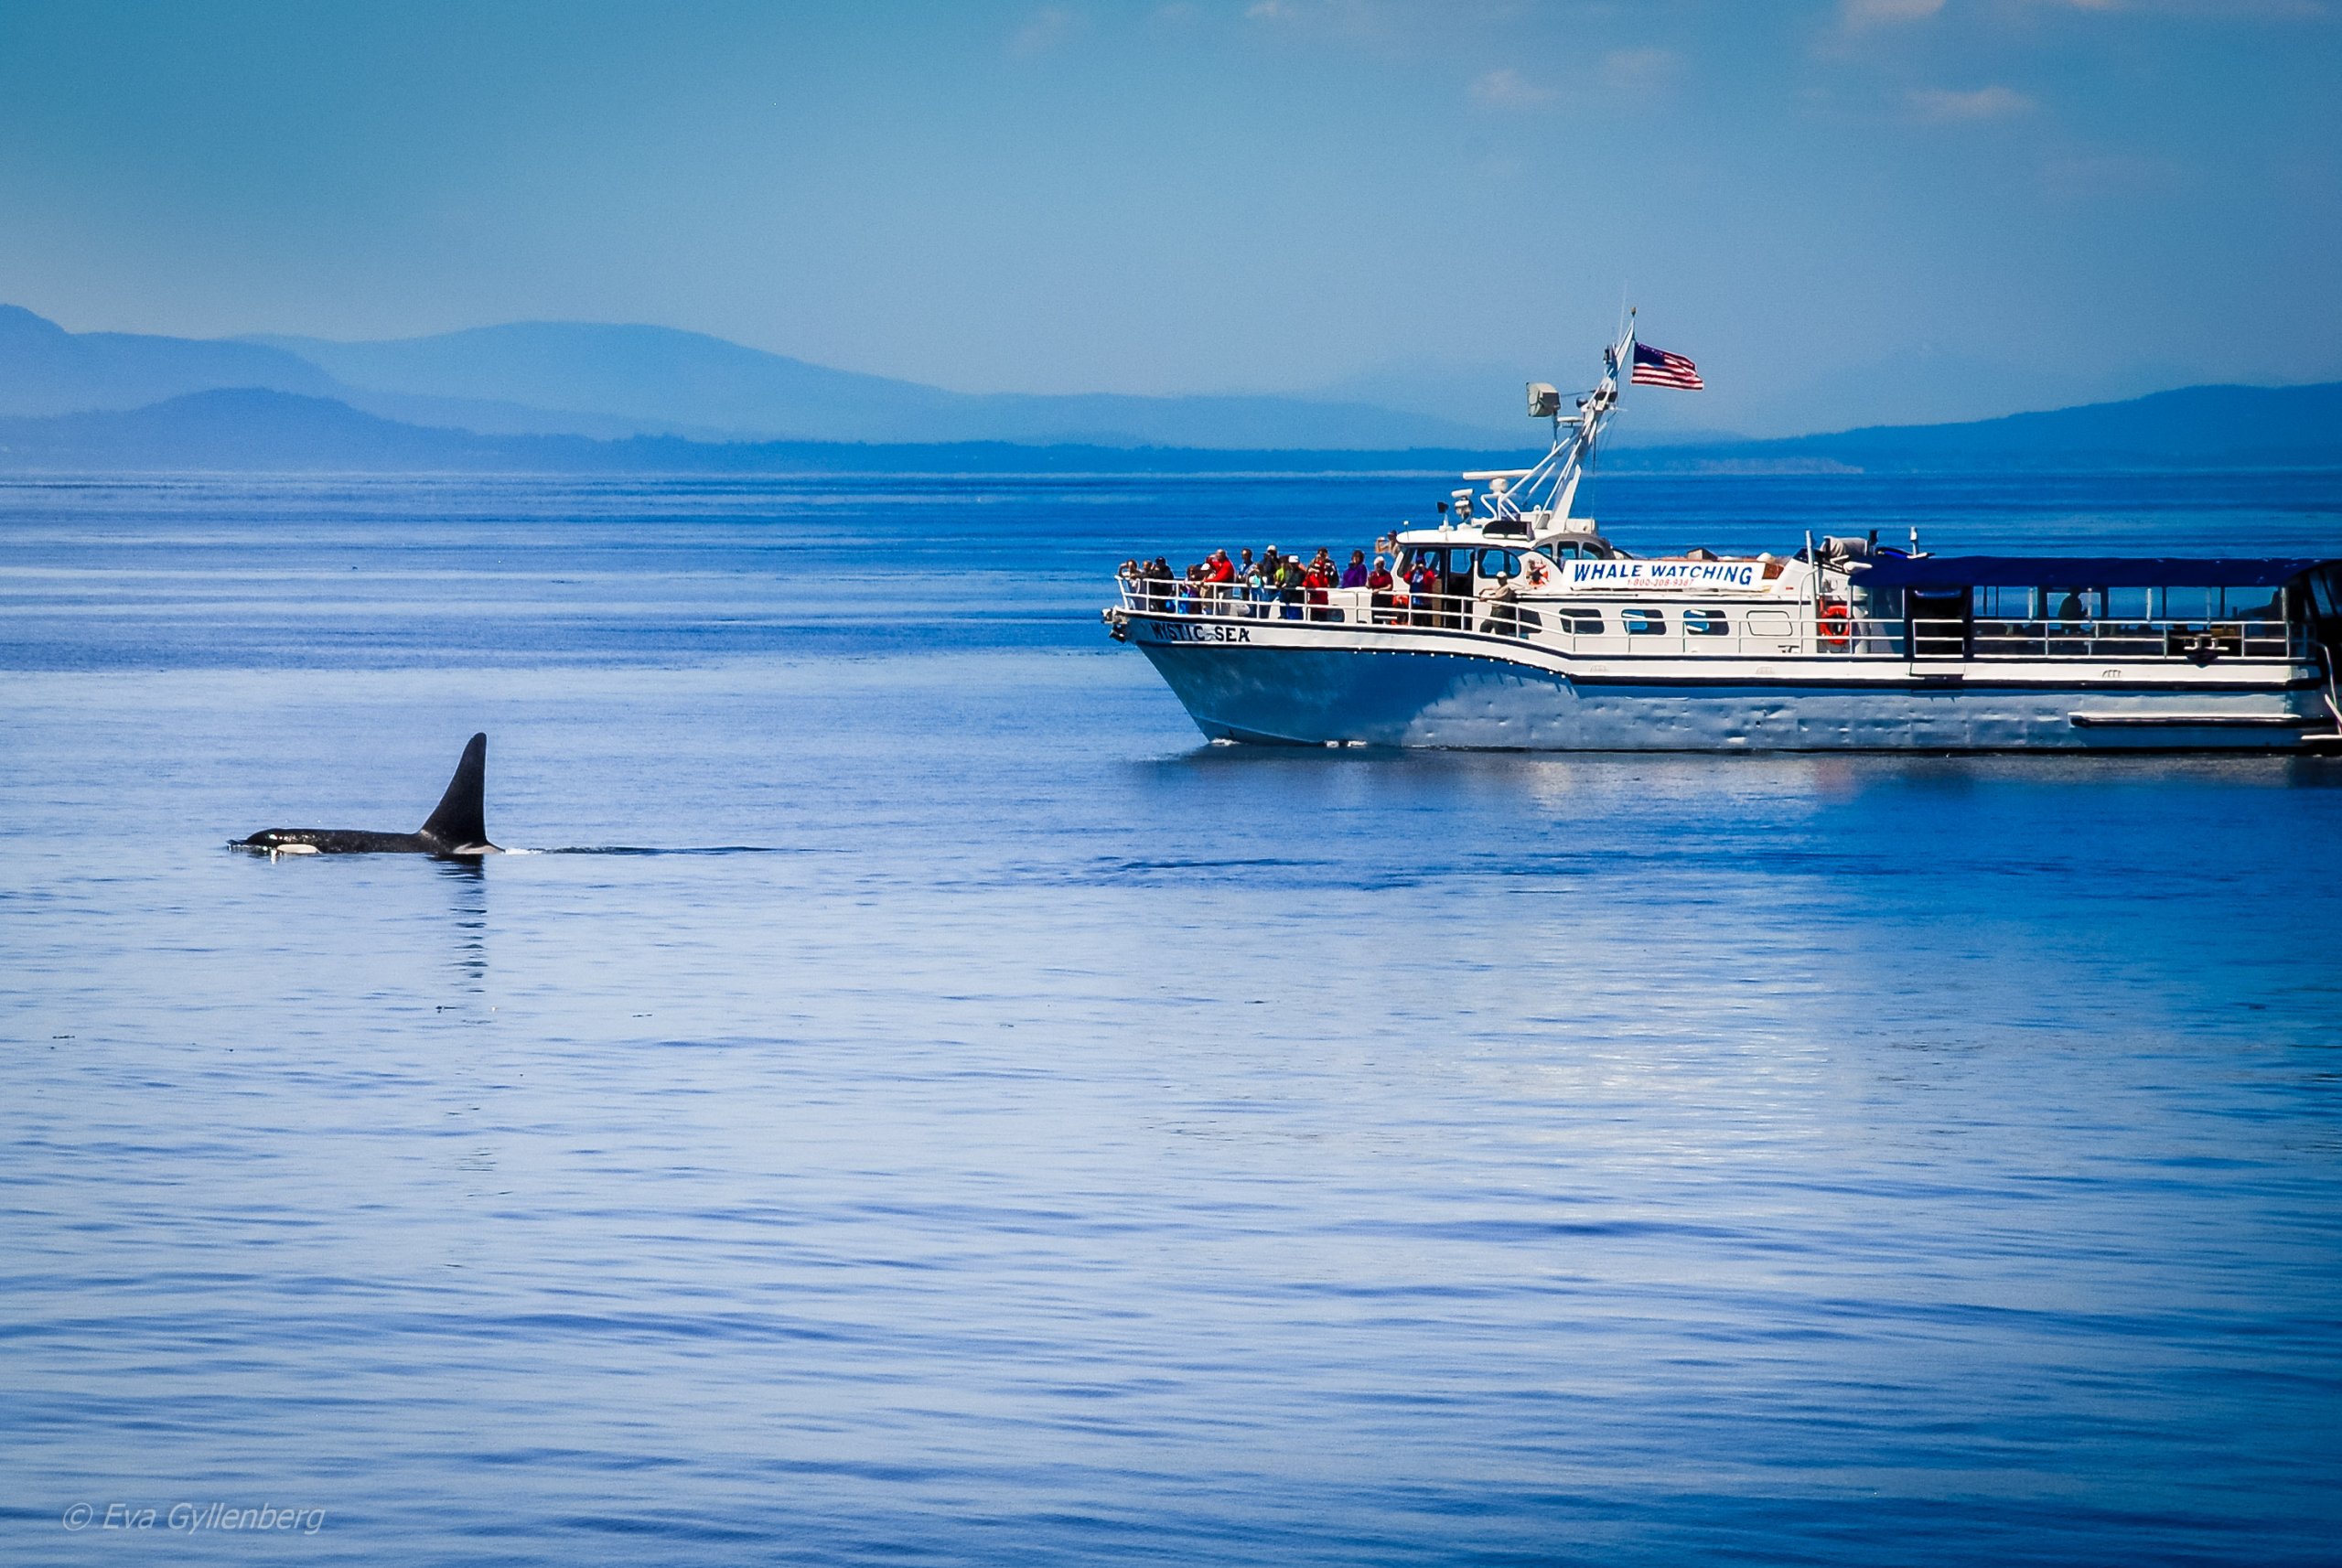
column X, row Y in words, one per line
column 655, row 849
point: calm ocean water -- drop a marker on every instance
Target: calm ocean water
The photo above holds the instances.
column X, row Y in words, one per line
column 975, row 1123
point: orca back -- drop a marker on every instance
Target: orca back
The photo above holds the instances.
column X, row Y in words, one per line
column 461, row 820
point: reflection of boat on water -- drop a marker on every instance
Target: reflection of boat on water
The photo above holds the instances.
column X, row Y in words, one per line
column 1524, row 628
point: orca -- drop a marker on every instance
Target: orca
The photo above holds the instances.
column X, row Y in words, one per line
column 457, row 829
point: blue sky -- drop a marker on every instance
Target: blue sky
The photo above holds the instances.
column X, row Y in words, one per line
column 1897, row 207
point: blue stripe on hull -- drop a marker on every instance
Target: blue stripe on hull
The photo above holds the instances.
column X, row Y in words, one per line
column 1305, row 696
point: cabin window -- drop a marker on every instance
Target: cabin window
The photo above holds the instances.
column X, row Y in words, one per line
column 1579, row 622
column 1644, row 623
column 1767, row 623
column 2252, row 604
column 2001, row 602
column 1706, row 623
column 1499, row 564
column 2129, row 604
column 2190, row 604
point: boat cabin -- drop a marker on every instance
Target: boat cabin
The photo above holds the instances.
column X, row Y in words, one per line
column 1982, row 606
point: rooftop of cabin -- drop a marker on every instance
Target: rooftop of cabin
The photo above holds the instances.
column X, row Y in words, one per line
column 1560, row 544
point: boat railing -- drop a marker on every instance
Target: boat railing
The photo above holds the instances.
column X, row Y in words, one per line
column 1728, row 629
column 2110, row 638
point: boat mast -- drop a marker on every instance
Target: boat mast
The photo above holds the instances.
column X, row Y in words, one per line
column 1594, row 412
column 1551, row 486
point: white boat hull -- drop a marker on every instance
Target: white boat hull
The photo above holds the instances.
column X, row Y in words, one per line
column 1305, row 684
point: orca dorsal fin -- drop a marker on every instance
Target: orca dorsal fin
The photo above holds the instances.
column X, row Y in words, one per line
column 461, row 820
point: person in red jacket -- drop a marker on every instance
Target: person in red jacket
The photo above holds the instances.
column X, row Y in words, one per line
column 1220, row 575
column 1315, row 580
column 1378, row 584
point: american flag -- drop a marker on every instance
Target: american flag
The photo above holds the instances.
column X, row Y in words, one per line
column 1658, row 368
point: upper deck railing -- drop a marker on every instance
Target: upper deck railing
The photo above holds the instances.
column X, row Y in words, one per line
column 1730, row 629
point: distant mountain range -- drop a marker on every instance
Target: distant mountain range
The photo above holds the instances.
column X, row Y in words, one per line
column 249, row 429
column 2217, row 426
column 573, row 378
column 568, row 398
column 253, row 430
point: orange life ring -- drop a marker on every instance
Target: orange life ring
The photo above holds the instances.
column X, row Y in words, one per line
column 1837, row 624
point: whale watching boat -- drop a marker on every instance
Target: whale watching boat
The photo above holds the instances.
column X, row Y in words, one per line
column 1516, row 624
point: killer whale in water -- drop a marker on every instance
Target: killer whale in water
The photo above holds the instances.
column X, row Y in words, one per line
column 459, row 826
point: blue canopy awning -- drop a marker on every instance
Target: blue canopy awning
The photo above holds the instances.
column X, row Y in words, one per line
column 2082, row 572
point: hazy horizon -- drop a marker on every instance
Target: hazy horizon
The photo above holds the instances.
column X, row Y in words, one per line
column 367, row 393
column 1870, row 211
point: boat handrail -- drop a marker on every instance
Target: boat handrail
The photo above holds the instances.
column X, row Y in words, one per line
column 2112, row 637
column 1740, row 629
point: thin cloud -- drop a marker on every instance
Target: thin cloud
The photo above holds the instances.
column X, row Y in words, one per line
column 1857, row 15
column 1639, row 69
column 1505, row 88
column 1357, row 21
column 1942, row 106
column 1043, row 30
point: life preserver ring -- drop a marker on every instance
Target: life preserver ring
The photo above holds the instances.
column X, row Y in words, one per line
column 1536, row 573
column 1837, row 625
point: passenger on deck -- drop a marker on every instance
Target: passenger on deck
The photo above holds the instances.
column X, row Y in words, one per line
column 1354, row 574
column 2071, row 613
column 1501, row 617
column 1423, row 584
column 1219, row 578
column 1315, row 579
column 1378, row 584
